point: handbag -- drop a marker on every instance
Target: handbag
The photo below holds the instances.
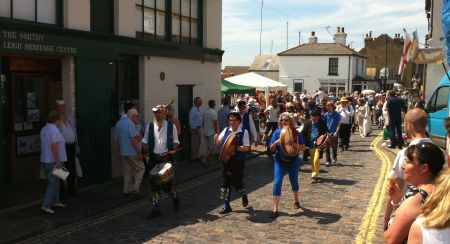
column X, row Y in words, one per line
column 60, row 172
column 283, row 159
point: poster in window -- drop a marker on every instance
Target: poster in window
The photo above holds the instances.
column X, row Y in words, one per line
column 28, row 144
column 31, row 100
column 33, row 115
column 27, row 125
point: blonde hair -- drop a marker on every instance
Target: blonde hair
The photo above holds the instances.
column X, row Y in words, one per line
column 437, row 207
column 291, row 119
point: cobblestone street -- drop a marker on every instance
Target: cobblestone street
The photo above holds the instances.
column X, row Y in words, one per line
column 332, row 210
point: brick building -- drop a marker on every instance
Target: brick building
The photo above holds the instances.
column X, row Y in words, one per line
column 385, row 51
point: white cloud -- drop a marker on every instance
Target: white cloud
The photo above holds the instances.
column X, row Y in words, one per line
column 241, row 22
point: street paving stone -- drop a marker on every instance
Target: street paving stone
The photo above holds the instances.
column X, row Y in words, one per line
column 331, row 210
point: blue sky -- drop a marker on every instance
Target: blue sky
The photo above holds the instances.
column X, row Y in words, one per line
column 241, row 23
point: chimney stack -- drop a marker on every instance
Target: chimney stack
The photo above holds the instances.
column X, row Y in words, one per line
column 313, row 38
column 370, row 34
column 340, row 37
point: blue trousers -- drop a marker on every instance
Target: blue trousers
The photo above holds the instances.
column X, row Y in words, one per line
column 52, row 193
column 281, row 170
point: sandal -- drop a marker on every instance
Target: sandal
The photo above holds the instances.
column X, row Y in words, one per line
column 296, row 205
column 47, row 210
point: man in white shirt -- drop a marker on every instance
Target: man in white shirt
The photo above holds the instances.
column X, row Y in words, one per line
column 346, row 111
column 233, row 170
column 210, row 128
column 69, row 132
column 161, row 142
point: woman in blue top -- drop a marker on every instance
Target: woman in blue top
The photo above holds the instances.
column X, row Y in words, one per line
column 283, row 164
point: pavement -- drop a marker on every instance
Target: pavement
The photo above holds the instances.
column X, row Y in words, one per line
column 344, row 207
column 25, row 221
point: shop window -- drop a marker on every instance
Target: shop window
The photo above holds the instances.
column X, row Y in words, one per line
column 41, row 11
column 151, row 19
column 333, row 66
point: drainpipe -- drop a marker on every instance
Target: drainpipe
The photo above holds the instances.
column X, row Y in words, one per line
column 348, row 81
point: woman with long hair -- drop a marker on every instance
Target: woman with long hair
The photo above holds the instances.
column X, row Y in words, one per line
column 422, row 163
column 285, row 164
column 433, row 226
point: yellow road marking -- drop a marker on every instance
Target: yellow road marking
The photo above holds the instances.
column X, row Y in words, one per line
column 368, row 227
column 373, row 223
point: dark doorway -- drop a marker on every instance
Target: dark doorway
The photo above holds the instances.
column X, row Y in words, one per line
column 185, row 98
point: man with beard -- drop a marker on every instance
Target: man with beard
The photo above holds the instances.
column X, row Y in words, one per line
column 161, row 142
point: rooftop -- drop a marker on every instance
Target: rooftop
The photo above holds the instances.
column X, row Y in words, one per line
column 320, row 49
column 265, row 62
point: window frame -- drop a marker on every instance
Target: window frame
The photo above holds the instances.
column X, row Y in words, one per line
column 432, row 104
column 58, row 14
column 333, row 67
column 169, row 16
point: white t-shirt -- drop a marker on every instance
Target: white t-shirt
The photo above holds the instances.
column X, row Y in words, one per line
column 208, row 122
column 273, row 113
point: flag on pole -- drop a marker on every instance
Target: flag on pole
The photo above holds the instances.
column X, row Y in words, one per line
column 410, row 50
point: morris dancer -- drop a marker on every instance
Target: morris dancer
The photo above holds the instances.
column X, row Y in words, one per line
column 333, row 120
column 161, row 142
column 233, row 170
column 283, row 164
column 314, row 128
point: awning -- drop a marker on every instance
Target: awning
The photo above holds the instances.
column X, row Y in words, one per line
column 259, row 82
column 429, row 56
column 227, row 87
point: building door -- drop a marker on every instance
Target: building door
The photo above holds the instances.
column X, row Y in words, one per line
column 185, row 98
column 93, row 100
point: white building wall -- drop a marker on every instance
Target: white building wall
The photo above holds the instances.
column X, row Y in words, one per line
column 435, row 72
column 77, row 14
column 310, row 69
column 124, row 18
column 212, row 24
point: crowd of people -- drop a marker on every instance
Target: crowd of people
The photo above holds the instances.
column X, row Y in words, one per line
column 413, row 207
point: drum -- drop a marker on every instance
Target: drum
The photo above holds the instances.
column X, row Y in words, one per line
column 289, row 135
column 229, row 147
column 162, row 173
column 324, row 141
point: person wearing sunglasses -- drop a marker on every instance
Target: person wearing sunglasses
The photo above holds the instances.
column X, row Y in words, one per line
column 415, row 125
column 233, row 170
column 285, row 164
column 421, row 165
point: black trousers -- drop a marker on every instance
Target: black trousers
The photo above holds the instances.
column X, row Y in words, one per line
column 233, row 174
column 70, row 186
column 344, row 134
column 395, row 129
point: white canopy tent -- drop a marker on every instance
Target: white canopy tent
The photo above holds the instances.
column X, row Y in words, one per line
column 259, row 82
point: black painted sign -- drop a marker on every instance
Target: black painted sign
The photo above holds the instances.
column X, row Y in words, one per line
column 33, row 42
